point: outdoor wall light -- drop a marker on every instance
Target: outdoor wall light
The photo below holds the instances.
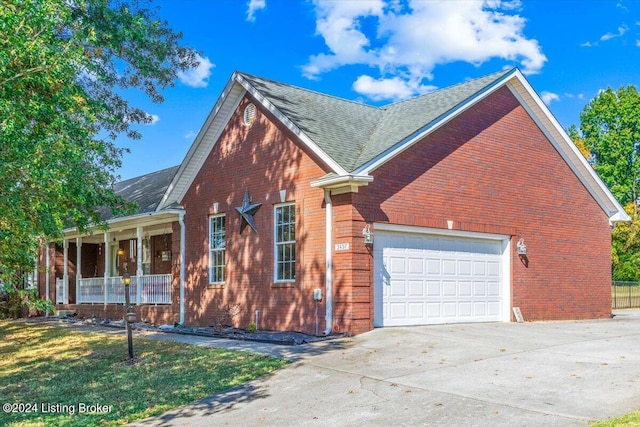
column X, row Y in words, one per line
column 368, row 235
column 120, row 251
column 521, row 247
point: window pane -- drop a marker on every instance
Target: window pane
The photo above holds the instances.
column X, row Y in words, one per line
column 217, row 244
column 285, row 237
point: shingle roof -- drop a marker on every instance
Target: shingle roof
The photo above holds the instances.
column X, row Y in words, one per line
column 352, row 133
column 145, row 191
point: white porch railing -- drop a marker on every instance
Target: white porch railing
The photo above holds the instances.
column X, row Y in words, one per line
column 61, row 292
column 148, row 289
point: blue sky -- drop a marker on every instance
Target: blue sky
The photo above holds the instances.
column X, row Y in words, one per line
column 381, row 51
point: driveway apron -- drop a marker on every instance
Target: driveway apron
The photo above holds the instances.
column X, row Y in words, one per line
column 500, row 374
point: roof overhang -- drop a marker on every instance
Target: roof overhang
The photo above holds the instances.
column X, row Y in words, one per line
column 208, row 136
column 561, row 141
column 116, row 225
column 339, row 184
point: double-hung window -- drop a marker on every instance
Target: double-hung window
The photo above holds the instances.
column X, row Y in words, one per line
column 217, row 247
column 285, row 243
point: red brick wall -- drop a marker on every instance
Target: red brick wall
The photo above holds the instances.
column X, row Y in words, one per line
column 262, row 159
column 492, row 170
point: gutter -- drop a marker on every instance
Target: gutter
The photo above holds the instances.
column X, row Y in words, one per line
column 328, row 277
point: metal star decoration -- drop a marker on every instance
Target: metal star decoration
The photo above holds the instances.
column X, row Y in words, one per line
column 247, row 210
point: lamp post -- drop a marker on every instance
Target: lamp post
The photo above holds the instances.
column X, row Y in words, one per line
column 129, row 315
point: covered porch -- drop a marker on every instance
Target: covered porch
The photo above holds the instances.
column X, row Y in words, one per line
column 88, row 268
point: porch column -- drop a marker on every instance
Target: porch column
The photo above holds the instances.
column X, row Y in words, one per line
column 139, row 265
column 65, row 271
column 78, row 265
column 107, row 265
column 183, row 235
column 47, row 277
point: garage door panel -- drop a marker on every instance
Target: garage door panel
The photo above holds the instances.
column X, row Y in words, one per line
column 464, row 268
column 433, row 266
column 416, row 310
column 448, row 267
column 436, row 279
column 479, row 289
column 398, row 265
column 416, row 288
column 398, row 310
column 449, row 289
column 433, row 288
column 449, row 309
column 464, row 289
column 398, row 288
column 493, row 289
column 493, row 269
column 416, row 266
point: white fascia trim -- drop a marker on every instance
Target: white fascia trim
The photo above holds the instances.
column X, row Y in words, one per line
column 143, row 219
column 567, row 149
column 398, row 228
column 342, row 180
column 290, row 125
column 191, row 159
column 409, row 141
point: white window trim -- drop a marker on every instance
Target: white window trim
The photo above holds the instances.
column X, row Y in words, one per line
column 276, row 244
column 211, row 251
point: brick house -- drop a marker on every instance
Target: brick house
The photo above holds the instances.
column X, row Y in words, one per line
column 319, row 214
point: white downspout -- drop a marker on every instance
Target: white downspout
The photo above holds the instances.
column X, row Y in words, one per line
column 328, row 281
column 183, row 246
column 47, row 278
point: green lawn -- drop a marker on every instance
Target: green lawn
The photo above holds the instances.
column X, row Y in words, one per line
column 630, row 420
column 56, row 373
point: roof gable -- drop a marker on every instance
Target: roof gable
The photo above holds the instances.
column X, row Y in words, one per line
column 353, row 139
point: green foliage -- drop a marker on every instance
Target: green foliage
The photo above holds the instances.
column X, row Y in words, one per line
column 610, row 127
column 625, row 246
column 609, row 138
column 63, row 68
column 252, row 327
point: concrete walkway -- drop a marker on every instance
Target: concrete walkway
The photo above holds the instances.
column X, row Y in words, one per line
column 496, row 374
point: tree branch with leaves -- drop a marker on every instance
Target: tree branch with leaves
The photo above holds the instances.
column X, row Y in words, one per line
column 64, row 68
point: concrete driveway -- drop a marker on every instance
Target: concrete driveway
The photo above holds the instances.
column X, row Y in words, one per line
column 495, row 374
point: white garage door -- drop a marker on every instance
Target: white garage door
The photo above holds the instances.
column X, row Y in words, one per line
column 423, row 279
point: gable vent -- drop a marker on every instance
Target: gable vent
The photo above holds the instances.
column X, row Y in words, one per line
column 249, row 114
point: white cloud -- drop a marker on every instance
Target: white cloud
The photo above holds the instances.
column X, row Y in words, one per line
column 638, row 43
column 586, row 44
column 394, row 88
column 406, row 41
column 621, row 30
column 199, row 76
column 253, row 7
column 549, row 97
column 154, row 118
column 190, row 134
